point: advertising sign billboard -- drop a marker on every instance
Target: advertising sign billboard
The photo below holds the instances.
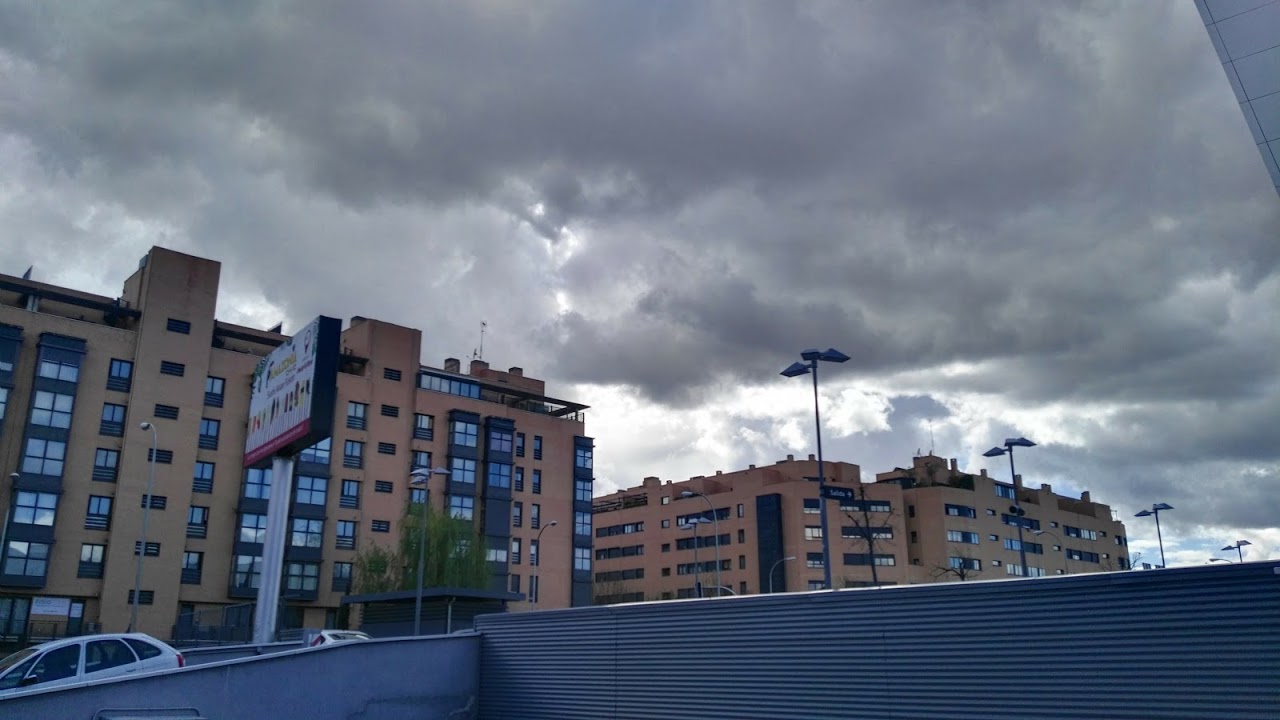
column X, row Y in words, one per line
column 294, row 389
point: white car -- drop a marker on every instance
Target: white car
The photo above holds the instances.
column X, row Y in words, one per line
column 85, row 658
column 330, row 637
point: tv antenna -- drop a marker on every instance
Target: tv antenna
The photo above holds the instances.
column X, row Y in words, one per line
column 478, row 354
column 930, row 436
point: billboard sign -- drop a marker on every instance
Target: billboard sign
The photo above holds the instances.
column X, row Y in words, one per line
column 294, row 389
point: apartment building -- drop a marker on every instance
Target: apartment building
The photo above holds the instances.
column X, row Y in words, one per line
column 80, row 373
column 928, row 523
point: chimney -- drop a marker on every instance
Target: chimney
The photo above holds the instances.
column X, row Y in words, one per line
column 984, row 472
column 811, row 457
column 1046, row 488
column 751, row 467
column 478, row 368
column 1084, row 497
column 452, row 365
column 955, row 465
column 790, row 458
column 517, row 371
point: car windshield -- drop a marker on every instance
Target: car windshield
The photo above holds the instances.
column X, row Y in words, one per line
column 16, row 658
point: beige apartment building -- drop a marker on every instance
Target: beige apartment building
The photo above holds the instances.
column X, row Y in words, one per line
column 928, row 523
column 80, row 373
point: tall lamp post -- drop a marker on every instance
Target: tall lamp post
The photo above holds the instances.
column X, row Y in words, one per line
column 146, row 516
column 420, row 478
column 537, row 560
column 810, row 365
column 1155, row 510
column 1066, row 559
column 1017, row 511
column 697, row 567
column 716, row 520
column 1239, row 544
column 775, row 567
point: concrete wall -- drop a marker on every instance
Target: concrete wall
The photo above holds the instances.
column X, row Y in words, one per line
column 393, row 679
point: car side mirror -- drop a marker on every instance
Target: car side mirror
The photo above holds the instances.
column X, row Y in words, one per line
column 28, row 681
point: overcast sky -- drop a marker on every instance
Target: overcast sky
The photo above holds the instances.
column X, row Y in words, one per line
column 1039, row 219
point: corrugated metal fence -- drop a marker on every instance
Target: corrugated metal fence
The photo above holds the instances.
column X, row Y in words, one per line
column 1187, row 643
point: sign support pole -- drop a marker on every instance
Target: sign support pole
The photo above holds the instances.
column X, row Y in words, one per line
column 264, row 616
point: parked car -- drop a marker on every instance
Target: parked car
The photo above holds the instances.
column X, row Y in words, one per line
column 330, row 637
column 80, row 659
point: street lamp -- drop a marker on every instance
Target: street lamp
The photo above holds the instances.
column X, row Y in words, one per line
column 537, row 560
column 1066, row 559
column 146, row 514
column 716, row 520
column 775, row 567
column 1155, row 510
column 810, row 365
column 1239, row 544
column 1016, row 510
column 420, row 478
column 693, row 524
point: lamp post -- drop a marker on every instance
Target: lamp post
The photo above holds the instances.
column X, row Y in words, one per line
column 775, row 567
column 697, row 567
column 420, row 478
column 146, row 516
column 1017, row 511
column 1066, row 559
column 810, row 365
column 537, row 560
column 716, row 520
column 1155, row 510
column 1239, row 544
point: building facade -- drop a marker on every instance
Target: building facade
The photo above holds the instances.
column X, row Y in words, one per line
column 80, row 373
column 927, row 523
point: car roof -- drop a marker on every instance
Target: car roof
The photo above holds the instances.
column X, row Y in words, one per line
column 101, row 636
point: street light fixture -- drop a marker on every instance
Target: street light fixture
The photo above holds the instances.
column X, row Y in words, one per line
column 420, row 478
column 1155, row 510
column 796, row 369
column 1239, row 544
column 146, row 515
column 537, row 560
column 716, row 520
column 775, row 567
column 1066, row 559
column 693, row 524
column 1016, row 510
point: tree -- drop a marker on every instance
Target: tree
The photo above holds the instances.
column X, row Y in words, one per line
column 455, row 556
column 966, row 570
column 865, row 531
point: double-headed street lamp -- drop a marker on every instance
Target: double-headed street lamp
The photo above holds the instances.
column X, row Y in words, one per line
column 1239, row 544
column 692, row 524
column 420, row 478
column 1016, row 510
column 810, row 365
column 537, row 561
column 716, row 521
column 146, row 514
column 1155, row 510
column 775, row 567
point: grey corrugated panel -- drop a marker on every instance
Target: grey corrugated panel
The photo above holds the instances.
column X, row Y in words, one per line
column 1182, row 643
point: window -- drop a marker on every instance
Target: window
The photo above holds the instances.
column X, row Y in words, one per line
column 423, row 426
column 992, row 513
column 535, row 515
column 1005, row 490
column 246, row 572
column 1122, row 541
column 626, row 529
column 51, row 409
column 178, row 326
column 29, row 559
column 496, row 555
column 517, row 514
column 582, row 490
column 500, row 441
column 582, row 457
column 871, row 505
column 518, row 483
column 519, row 444
column 742, row 510
column 1082, row 555
column 91, row 560
column 381, row 526
column 192, row 567
column 386, row 448
column 993, row 537
column 666, row 499
column 813, row 560
column 58, row 370
column 353, row 454
column 98, row 516
column 964, row 563
column 306, row 533
column 911, row 511
column 462, row 470
column 813, row 532
column 963, row 536
column 961, row 511
column 742, row 536
column 1013, row 544
column 812, row 506
column 105, row 464
column 460, row 388
column 665, row 524
column 582, row 523
column 915, row 536
column 390, row 411
column 350, row 497
column 163, row 457
column 157, row 502
column 514, row 585
column 859, row 532
column 202, row 479
column 1020, row 572
column 35, row 508
column 582, row 558
column 168, row 412
column 346, row 535
column 4, row 401
column 499, row 475
column 417, row 495
column 257, row 484
column 515, row 551
column 356, row 415
column 209, row 429
column 866, row 559
column 1081, row 533
column 742, row 562
column 383, row 486
column 421, row 459
column 391, row 374
column 537, row 447
column 342, row 576
column 614, row 553
column 1026, row 522
column 464, row 433
column 318, row 453
column 253, row 527
column 214, row 388
column 112, row 420
column 172, row 368
column 120, row 375
column 533, row 553
column 537, row 482
column 311, row 490
column 816, row 585
column 197, row 521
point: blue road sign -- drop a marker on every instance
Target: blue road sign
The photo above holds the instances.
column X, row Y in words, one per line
column 830, row 492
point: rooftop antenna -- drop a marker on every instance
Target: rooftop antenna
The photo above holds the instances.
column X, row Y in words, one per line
column 930, row 436
column 479, row 353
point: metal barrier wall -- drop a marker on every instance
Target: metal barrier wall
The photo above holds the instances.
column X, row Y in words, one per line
column 428, row 678
column 1184, row 643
